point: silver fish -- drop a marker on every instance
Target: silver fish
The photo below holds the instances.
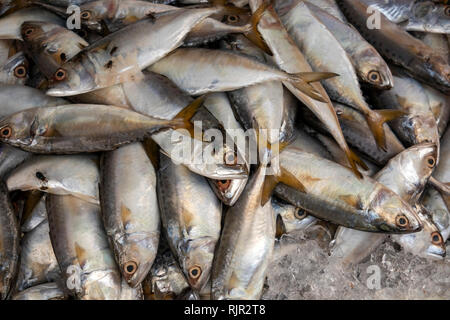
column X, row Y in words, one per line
column 50, row 174
column 192, row 227
column 81, row 248
column 9, row 243
column 130, row 209
column 46, row 291
column 239, row 268
column 38, row 263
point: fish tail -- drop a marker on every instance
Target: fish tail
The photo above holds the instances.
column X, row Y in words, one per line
column 253, row 34
column 354, row 160
column 183, row 118
column 283, row 176
column 302, row 82
column 376, row 118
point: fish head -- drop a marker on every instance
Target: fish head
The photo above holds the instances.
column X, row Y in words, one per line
column 376, row 72
column 430, row 17
column 228, row 191
column 420, row 128
column 20, row 128
column 51, row 40
column 390, row 213
column 15, row 69
column 92, row 14
column 417, row 163
column 136, row 256
column 427, row 243
column 197, row 261
column 74, row 77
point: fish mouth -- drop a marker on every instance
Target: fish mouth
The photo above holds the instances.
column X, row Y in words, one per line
column 57, row 92
column 437, row 253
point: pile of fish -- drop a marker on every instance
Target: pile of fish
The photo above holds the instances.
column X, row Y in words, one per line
column 95, row 202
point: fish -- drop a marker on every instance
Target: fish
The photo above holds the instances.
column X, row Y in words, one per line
column 34, row 211
column 331, row 7
column 46, row 130
column 130, row 293
column 290, row 218
column 50, row 45
column 10, row 25
column 49, row 173
column 81, row 248
column 120, row 56
column 239, row 269
column 406, row 174
column 193, row 71
column 166, row 280
column 434, row 202
column 363, row 204
column 9, row 243
column 228, row 191
column 289, row 58
column 369, row 65
column 37, row 263
column 158, row 97
column 304, row 27
column 14, row 70
column 418, row 124
column 16, row 98
column 10, row 158
column 399, row 47
column 130, row 209
column 439, row 106
column 357, row 133
column 192, row 228
column 424, row 16
column 45, row 291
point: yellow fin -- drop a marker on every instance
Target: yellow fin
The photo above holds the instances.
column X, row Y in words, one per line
column 183, row 118
column 283, row 176
column 254, row 35
column 80, row 255
column 376, row 119
column 125, row 214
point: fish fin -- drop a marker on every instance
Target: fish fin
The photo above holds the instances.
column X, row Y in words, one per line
column 254, row 35
column 309, row 77
column 80, row 255
column 183, row 118
column 125, row 214
column 354, row 160
column 376, row 119
column 304, row 86
column 443, row 188
column 350, row 199
column 284, row 177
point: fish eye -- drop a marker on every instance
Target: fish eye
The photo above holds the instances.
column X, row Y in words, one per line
column 85, row 15
column 436, row 238
column 20, row 71
column 28, row 31
column 195, row 272
column 60, row 74
column 232, row 18
column 401, row 221
column 374, row 76
column 223, row 185
column 431, row 162
column 300, row 214
column 230, row 158
column 130, row 268
column 6, row 132
column 447, row 10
